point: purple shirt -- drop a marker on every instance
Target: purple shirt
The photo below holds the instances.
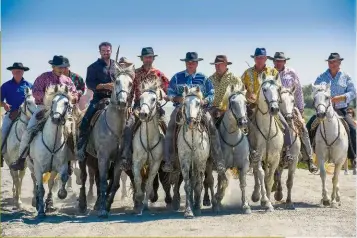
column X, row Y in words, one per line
column 290, row 79
column 43, row 81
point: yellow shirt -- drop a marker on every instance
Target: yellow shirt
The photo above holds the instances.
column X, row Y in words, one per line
column 251, row 81
column 220, row 85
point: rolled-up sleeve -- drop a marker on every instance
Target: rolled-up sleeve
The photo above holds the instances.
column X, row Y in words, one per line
column 172, row 89
column 209, row 91
column 350, row 90
column 91, row 78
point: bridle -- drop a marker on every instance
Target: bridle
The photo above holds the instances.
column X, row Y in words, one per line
column 285, row 115
column 62, row 115
column 238, row 119
column 272, row 82
column 191, row 119
column 151, row 109
column 122, row 72
column 320, row 104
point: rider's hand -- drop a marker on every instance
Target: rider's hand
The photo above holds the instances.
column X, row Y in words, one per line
column 167, row 98
column 109, row 86
column 6, row 106
column 338, row 99
column 251, row 97
column 204, row 102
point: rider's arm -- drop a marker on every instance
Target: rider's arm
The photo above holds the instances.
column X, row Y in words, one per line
column 209, row 91
column 72, row 88
column 91, row 81
column 134, row 91
column 350, row 90
column 39, row 88
column 3, row 95
column 299, row 96
column 164, row 82
column 81, row 86
column 172, row 90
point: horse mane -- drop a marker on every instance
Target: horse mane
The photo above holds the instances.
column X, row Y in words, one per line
column 121, row 69
column 231, row 89
column 320, row 87
column 152, row 83
column 194, row 92
column 52, row 91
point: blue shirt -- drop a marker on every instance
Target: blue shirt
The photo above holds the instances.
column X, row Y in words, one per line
column 14, row 93
column 181, row 79
column 341, row 84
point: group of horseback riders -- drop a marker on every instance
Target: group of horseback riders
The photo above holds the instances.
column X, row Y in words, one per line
column 101, row 74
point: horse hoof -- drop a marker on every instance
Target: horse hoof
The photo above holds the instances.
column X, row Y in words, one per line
column 247, row 210
column 197, row 212
column 189, row 215
column 270, row 208
column 347, row 173
column 33, row 203
column 333, row 205
column 96, row 206
column 255, row 196
column 354, row 171
column 290, row 206
column 62, row 194
column 176, row 205
column 50, row 209
column 217, row 208
column 207, row 203
column 169, row 206
column 154, row 198
column 146, row 207
column 263, row 203
column 326, row 202
column 82, row 208
column 103, row 214
column 278, row 195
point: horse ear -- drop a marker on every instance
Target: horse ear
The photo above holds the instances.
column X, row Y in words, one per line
column 185, row 90
column 198, row 89
column 276, row 77
column 56, row 88
column 293, row 89
column 264, row 76
column 160, row 95
column 232, row 88
column 142, row 86
column 66, row 89
column 27, row 90
column 328, row 86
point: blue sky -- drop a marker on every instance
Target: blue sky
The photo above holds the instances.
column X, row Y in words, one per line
column 306, row 30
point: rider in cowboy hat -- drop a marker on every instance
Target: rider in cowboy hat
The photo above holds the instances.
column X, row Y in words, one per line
column 42, row 82
column 12, row 96
column 342, row 92
column 289, row 79
column 191, row 78
column 250, row 79
column 76, row 79
column 143, row 74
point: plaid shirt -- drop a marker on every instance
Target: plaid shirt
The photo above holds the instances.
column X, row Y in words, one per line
column 290, row 79
column 142, row 75
column 43, row 81
column 220, row 85
column 78, row 82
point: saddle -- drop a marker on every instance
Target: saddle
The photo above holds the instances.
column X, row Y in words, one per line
column 100, row 106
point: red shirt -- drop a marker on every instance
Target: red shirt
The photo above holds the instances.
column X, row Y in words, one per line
column 142, row 75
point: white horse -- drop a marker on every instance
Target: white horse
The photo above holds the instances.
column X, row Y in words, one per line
column 193, row 146
column 234, row 142
column 48, row 150
column 267, row 138
column 331, row 141
column 287, row 107
column 148, row 144
column 13, row 142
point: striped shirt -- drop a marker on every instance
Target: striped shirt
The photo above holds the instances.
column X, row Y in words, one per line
column 341, row 84
column 181, row 79
column 43, row 81
column 290, row 79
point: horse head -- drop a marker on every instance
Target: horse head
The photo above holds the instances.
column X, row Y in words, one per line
column 151, row 95
column 58, row 100
column 322, row 99
column 235, row 95
column 192, row 106
column 270, row 92
column 29, row 106
column 122, row 85
column 287, row 102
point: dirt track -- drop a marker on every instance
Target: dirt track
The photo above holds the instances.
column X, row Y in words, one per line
column 309, row 219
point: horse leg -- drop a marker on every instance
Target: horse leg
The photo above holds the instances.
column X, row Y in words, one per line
column 278, row 195
column 177, row 198
column 185, row 168
column 243, row 184
column 116, row 184
column 49, row 201
column 154, row 168
column 154, row 196
column 270, row 180
column 70, row 172
column 91, row 173
column 40, row 193
column 103, row 166
column 165, row 182
column 208, row 184
column 123, row 178
column 221, row 191
column 82, row 193
column 19, row 187
column 34, row 191
column 206, row 199
column 15, row 182
column 264, row 201
column 198, row 192
column 325, row 200
column 289, row 184
column 97, row 184
column 62, row 192
column 256, row 191
column 336, row 197
column 139, row 195
column 346, row 167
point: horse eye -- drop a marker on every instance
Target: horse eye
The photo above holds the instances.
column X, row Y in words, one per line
column 153, row 99
column 130, row 84
column 327, row 98
column 65, row 103
column 264, row 89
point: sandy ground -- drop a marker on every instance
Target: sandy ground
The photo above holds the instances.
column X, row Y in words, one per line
column 309, row 219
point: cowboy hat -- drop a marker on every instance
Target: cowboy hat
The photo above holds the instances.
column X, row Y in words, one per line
column 221, row 59
column 18, row 65
column 191, row 56
column 259, row 52
column 59, row 61
column 278, row 56
column 147, row 51
column 334, row 56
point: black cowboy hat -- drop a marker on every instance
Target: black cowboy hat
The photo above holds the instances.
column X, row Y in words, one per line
column 278, row 56
column 66, row 60
column 191, row 56
column 259, row 52
column 147, row 51
column 221, row 59
column 334, row 56
column 59, row 61
column 18, row 65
